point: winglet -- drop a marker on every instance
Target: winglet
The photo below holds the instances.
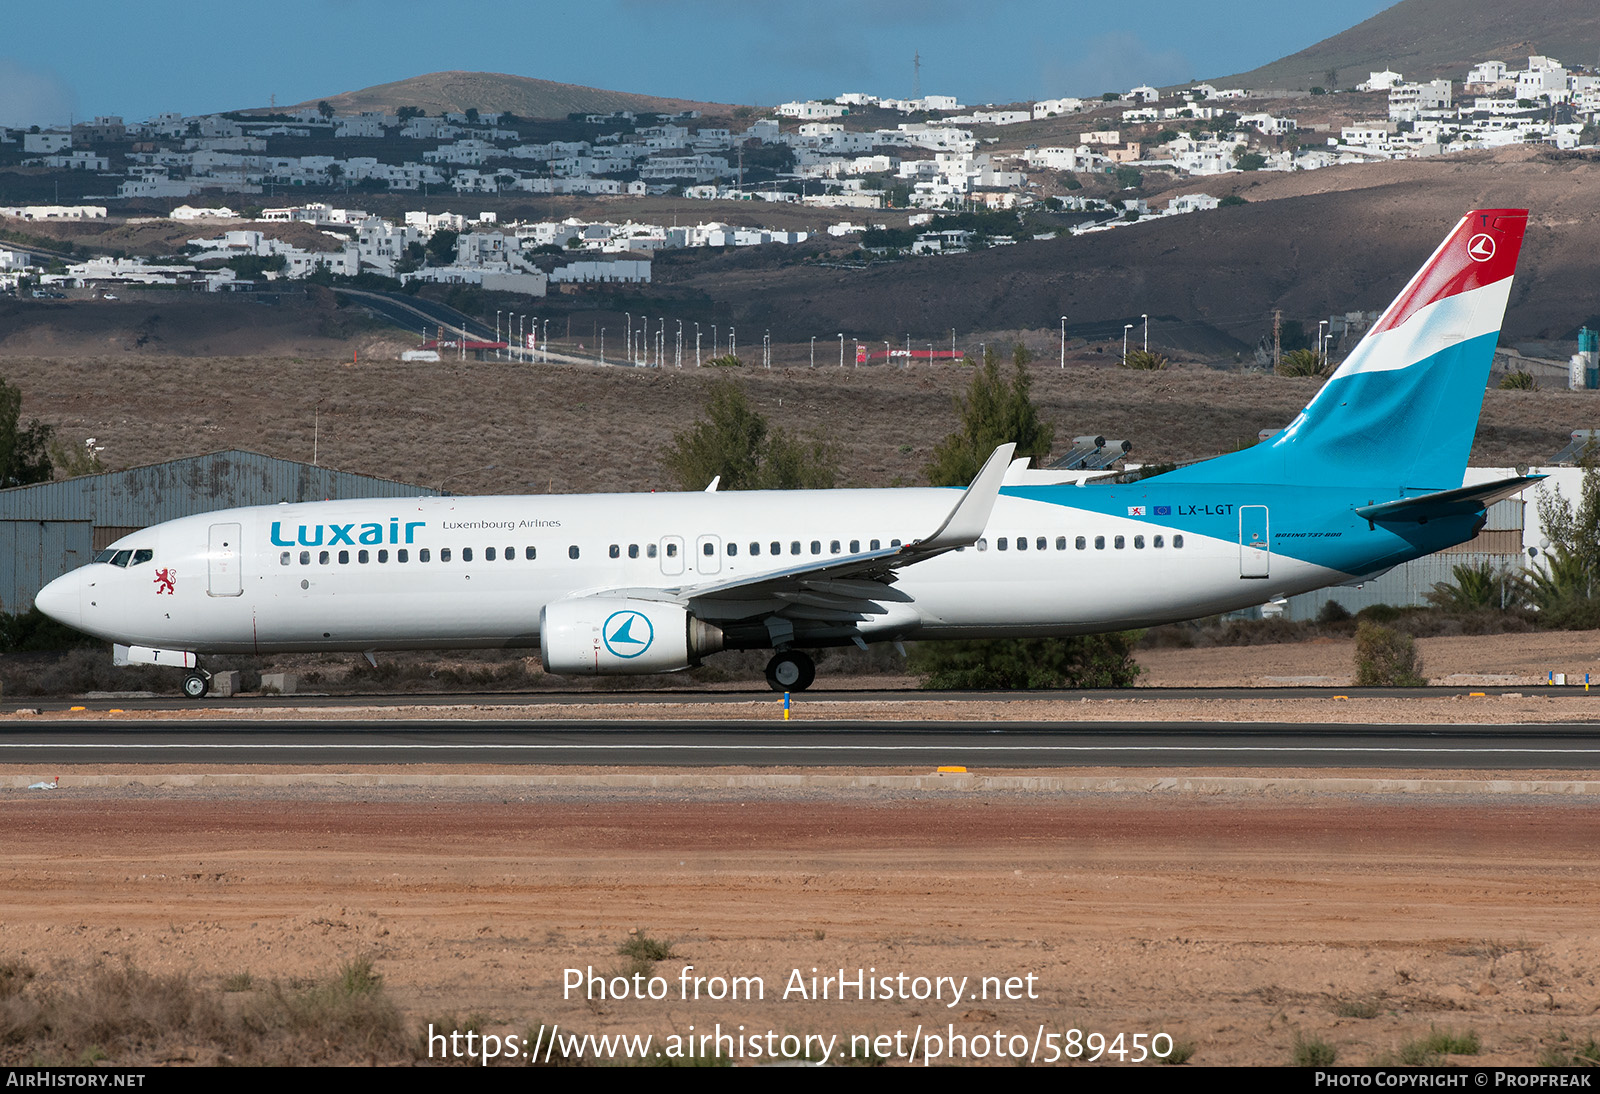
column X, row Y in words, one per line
column 968, row 519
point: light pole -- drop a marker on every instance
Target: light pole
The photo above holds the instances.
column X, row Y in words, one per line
column 628, row 353
column 499, row 353
column 733, row 343
column 841, row 349
column 1126, row 327
column 602, row 345
column 677, row 352
column 545, row 355
column 1322, row 349
column 697, row 345
column 766, row 349
column 1063, row 342
column 886, row 351
column 813, row 351
column 1146, row 319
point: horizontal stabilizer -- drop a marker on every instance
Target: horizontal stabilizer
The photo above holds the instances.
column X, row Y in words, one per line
column 1461, row 501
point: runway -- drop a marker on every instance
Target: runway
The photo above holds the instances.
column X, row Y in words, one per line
column 690, row 744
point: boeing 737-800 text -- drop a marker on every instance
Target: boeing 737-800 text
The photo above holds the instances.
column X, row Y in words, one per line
column 1367, row 476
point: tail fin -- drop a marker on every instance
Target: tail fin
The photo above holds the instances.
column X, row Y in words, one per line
column 1402, row 409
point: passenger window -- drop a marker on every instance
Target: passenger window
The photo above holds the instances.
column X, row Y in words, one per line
column 708, row 549
column 1061, row 543
column 344, row 558
column 122, row 558
column 322, row 558
column 383, row 556
column 855, row 546
column 1157, row 542
column 834, row 547
column 1039, row 543
column 402, row 555
column 488, row 554
column 284, row 558
column 1138, row 543
column 1001, row 543
column 650, row 551
column 777, row 548
column 1099, row 543
column 755, row 548
column 1081, row 543
column 733, row 548
column 572, row 552
column 1022, row 543
column 529, row 553
column 444, row 554
column 1177, row 541
column 794, row 547
column 983, row 544
column 873, row 546
column 305, row 558
column 633, row 550
column 1119, row 543
column 894, row 543
column 615, row 551
column 466, row 554
column 511, row 554
column 146, row 556
column 423, row 555
column 816, row 546
column 672, row 551
column 363, row 556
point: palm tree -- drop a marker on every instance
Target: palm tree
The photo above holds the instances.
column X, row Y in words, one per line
column 1304, row 362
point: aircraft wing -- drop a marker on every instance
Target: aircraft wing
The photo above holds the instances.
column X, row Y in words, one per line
column 840, row 587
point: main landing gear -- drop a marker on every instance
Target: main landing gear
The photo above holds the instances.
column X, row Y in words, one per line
column 196, row 684
column 790, row 670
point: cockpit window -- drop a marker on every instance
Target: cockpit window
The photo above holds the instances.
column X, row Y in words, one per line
column 121, row 558
column 105, row 556
column 142, row 556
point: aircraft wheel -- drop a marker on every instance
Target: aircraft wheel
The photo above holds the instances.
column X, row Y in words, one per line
column 195, row 685
column 790, row 670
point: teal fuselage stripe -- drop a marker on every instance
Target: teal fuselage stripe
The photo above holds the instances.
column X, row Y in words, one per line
column 1317, row 525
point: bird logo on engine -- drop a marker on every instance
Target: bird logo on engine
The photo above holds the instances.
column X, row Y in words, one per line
column 628, row 633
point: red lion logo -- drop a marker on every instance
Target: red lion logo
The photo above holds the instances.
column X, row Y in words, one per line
column 164, row 581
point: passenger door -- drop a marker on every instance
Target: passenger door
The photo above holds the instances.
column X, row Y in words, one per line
column 1255, row 543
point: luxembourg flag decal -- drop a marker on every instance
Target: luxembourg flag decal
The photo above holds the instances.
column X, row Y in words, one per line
column 1136, row 510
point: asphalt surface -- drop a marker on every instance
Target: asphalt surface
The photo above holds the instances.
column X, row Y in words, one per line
column 680, row 744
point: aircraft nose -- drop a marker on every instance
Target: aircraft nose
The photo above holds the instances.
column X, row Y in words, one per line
column 62, row 600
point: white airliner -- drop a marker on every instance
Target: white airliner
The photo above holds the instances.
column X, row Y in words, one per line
column 1369, row 475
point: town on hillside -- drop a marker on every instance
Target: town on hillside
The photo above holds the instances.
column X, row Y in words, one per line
column 274, row 196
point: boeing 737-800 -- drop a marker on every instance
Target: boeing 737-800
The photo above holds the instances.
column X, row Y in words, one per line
column 1368, row 476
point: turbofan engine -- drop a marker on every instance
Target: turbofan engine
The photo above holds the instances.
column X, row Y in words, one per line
column 599, row 636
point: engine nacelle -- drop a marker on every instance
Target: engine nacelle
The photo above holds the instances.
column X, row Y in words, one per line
column 606, row 636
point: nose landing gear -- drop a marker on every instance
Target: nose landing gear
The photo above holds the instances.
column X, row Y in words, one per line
column 790, row 670
column 196, row 684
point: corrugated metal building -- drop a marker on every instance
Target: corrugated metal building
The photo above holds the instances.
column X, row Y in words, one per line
column 52, row 527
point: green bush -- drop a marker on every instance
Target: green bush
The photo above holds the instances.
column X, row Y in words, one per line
column 1386, row 658
column 1313, row 1052
column 1084, row 661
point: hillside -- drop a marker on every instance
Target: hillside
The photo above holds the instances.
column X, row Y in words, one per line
column 1313, row 243
column 440, row 92
column 1432, row 39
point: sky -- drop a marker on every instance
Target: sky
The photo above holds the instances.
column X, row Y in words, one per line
column 64, row 61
